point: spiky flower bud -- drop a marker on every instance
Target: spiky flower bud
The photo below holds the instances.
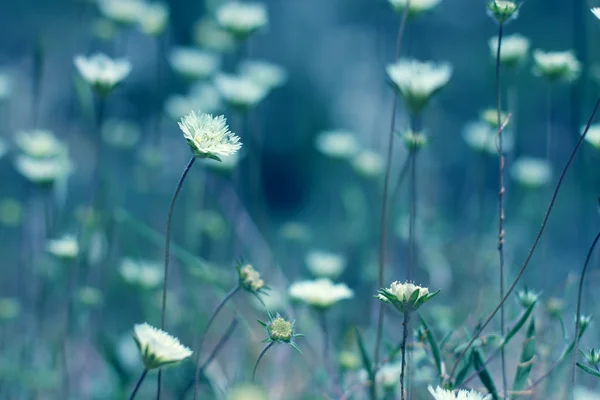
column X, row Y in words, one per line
column 280, row 330
column 592, row 357
column 527, row 297
column 249, row 278
column 503, row 10
column 555, row 306
column 415, row 140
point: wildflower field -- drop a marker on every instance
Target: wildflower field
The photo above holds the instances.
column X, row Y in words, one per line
column 316, row 199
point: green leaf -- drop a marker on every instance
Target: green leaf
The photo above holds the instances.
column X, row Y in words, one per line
column 435, row 350
column 462, row 372
column 520, row 322
column 262, row 323
column 484, row 375
column 365, row 356
column 295, row 346
column 526, row 360
column 589, row 370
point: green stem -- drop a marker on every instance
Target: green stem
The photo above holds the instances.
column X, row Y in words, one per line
column 139, row 383
column 260, row 356
column 404, row 338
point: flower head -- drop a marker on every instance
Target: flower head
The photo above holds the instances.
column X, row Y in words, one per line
column 531, row 172
column 264, row 73
column 209, row 136
column 481, row 137
column 406, row 297
column 102, row 72
column 414, row 140
column 208, row 34
column 121, row 134
column 204, row 97
column 592, row 357
column 337, row 143
column 368, row 163
column 39, row 143
column 502, row 10
column 66, row 247
column 242, row 19
column 250, row 279
column 416, row 7
column 42, row 171
column 90, row 296
column 527, row 297
column 157, row 347
column 240, row 91
column 596, row 12
column 556, row 66
column 121, row 11
column 389, row 375
column 593, row 135
column 418, row 81
column 153, row 18
column 325, row 264
column 142, row 273
column 320, row 293
column 443, row 394
column 513, row 51
column 280, row 330
column 194, row 63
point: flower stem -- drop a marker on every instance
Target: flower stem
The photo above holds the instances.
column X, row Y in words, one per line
column 201, row 341
column 404, row 338
column 139, row 383
column 260, row 356
column 167, row 254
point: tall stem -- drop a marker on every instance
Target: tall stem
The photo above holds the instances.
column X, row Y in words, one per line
column 501, row 203
column 260, row 356
column 412, row 246
column 404, row 337
column 138, row 384
column 549, row 124
column 201, row 341
column 167, row 256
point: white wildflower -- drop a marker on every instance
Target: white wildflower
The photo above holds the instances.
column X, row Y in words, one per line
column 443, row 394
column 157, row 347
column 203, row 97
column 39, row 143
column 406, row 297
column 209, row 35
column 502, row 10
column 389, row 375
column 368, row 163
column 481, row 137
column 416, row 7
column 556, row 66
column 194, row 63
column 66, row 247
column 121, row 11
column 42, row 171
column 153, row 18
column 142, row 273
column 596, row 12
column 337, row 144
column 102, row 72
column 209, row 136
column 242, row 19
column 513, row 50
column 320, row 293
column 324, row 264
column 593, row 135
column 531, row 172
column 250, row 279
column 264, row 73
column 240, row 91
column 90, row 296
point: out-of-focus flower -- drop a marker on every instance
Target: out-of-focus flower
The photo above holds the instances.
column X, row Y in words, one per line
column 121, row 11
column 502, row 10
column 242, row 19
column 478, row 136
column 66, row 247
column 209, row 35
column 555, row 306
column 414, row 140
column 368, row 163
column 416, row 7
column 295, row 231
column 103, row 29
column 280, row 330
column 582, row 393
column 264, row 73
column 443, row 394
column 157, row 347
column 102, row 72
column 337, row 144
column 11, row 212
column 349, row 360
column 194, row 63
column 527, row 297
column 240, row 91
column 418, row 81
column 208, row 136
column 6, row 86
column 389, row 375
column 320, row 293
column 490, row 116
column 39, row 143
column 593, row 135
column 90, row 296
column 556, row 66
column 513, row 51
column 531, row 172
column 9, row 309
column 596, row 12
column 142, row 273
column 247, row 392
column 121, row 134
column 202, row 97
column 153, row 18
column 42, row 171
column 250, row 279
column 324, row 264
column 406, row 297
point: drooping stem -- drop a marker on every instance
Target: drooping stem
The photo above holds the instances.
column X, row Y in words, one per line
column 260, row 356
column 535, row 243
column 167, row 256
column 578, row 313
column 138, row 384
column 403, row 349
column 201, row 341
column 501, row 203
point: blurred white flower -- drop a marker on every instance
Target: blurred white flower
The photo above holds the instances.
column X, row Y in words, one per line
column 513, row 51
column 209, row 35
column 556, row 66
column 337, row 144
column 240, row 91
column 389, row 375
column 264, row 73
column 90, row 296
column 295, row 231
column 143, row 273
column 102, row 72
column 320, row 293
column 194, row 63
column 202, row 97
column 592, row 137
column 121, row 134
column 531, row 172
column 153, row 18
column 39, row 143
column 324, row 264
column 596, row 12
column 418, row 81
column 157, row 347
column 209, row 136
column 368, row 163
column 443, row 394
column 582, row 393
column 6, row 86
column 66, row 247
column 416, row 7
column 242, row 19
column 247, row 392
column 121, row 11
column 103, row 29
column 481, row 137
column 502, row 10
column 42, row 171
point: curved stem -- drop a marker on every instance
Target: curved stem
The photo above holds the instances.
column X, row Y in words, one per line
column 536, row 241
column 260, row 356
column 404, row 337
column 167, row 255
column 578, row 313
column 139, row 383
column 201, row 342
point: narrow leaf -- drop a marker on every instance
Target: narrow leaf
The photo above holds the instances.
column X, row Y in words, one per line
column 484, row 375
column 365, row 356
column 435, row 350
column 526, row 360
column 589, row 370
column 519, row 324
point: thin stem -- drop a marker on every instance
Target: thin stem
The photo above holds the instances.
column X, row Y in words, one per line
column 404, row 338
column 412, row 246
column 578, row 313
column 536, row 241
column 139, row 383
column 549, row 123
column 260, row 356
column 501, row 203
column 326, row 356
column 167, row 256
column 201, row 341
column 400, row 181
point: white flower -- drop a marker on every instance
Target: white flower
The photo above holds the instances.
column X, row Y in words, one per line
column 596, row 12
column 90, row 296
column 120, row 133
column 481, row 137
column 368, row 163
column 6, row 86
column 209, row 35
column 42, row 171
column 337, row 144
column 531, row 172
column 593, row 135
column 146, row 274
column 418, row 81
column 102, row 72
column 321, row 293
column 502, row 10
column 153, row 18
column 65, row 247
column 264, row 73
column 121, row 11
column 556, row 66
column 513, row 51
column 157, row 347
column 443, row 394
column 209, row 136
column 194, row 63
column 242, row 19
column 39, row 143
column 325, row 264
column 203, row 97
column 389, row 375
column 416, row 6
column 582, row 393
column 406, row 297
column 240, row 91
